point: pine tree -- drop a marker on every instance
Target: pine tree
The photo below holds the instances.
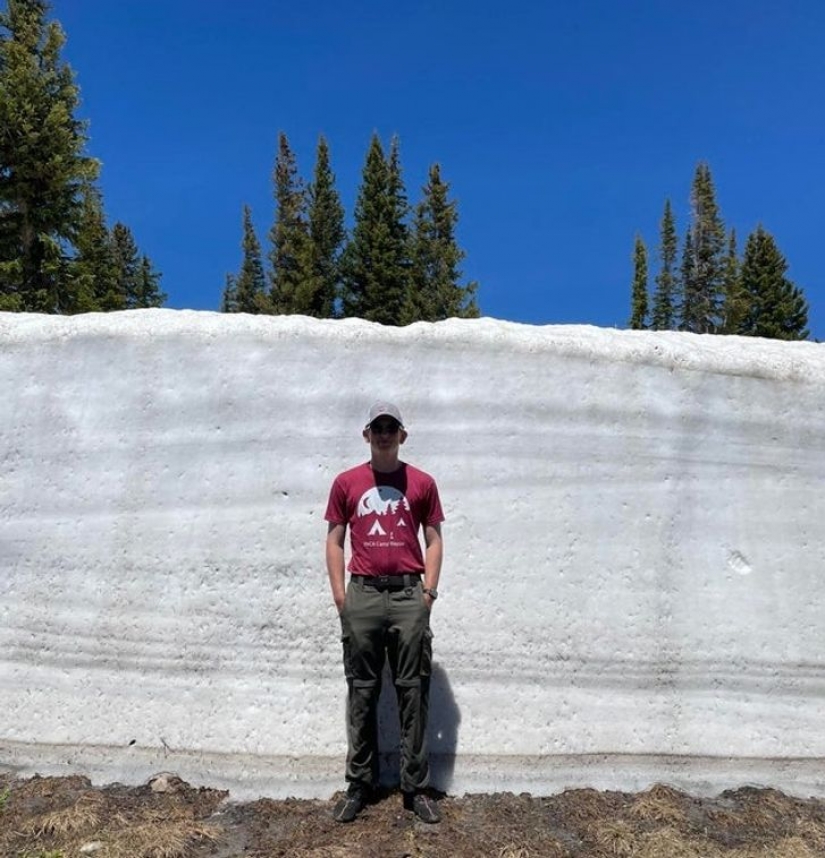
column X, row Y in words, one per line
column 95, row 284
column 43, row 168
column 393, row 298
column 376, row 261
column 137, row 280
column 229, row 298
column 327, row 235
column 638, row 316
column 127, row 262
column 776, row 307
column 687, row 282
column 703, row 290
column 250, row 284
column 735, row 304
column 435, row 292
column 664, row 297
column 148, row 292
column 291, row 253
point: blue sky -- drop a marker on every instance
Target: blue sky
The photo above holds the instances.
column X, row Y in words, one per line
column 561, row 128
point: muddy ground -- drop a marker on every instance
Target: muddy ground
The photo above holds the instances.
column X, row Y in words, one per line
column 66, row 817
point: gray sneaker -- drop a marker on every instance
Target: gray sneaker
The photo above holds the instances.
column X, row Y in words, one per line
column 351, row 804
column 424, row 807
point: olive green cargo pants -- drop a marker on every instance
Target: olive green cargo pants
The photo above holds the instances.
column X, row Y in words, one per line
column 391, row 622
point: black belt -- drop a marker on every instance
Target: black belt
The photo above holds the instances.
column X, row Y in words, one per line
column 389, row 582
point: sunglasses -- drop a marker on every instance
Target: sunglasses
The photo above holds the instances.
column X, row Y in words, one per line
column 384, row 427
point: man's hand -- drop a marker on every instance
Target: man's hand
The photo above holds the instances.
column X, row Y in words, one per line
column 432, row 560
column 335, row 563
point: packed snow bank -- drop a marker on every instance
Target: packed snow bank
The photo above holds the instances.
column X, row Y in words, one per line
column 632, row 589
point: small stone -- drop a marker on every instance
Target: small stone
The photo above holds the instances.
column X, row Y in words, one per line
column 166, row 782
column 90, row 848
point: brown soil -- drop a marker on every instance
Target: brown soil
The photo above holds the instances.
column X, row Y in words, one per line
column 66, row 817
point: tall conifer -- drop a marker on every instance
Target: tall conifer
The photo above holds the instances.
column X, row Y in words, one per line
column 43, row 168
column 138, row 282
column 376, row 260
column 435, row 292
column 664, row 297
column 687, row 283
column 290, row 253
column 327, row 235
column 250, row 284
column 736, row 299
column 94, row 276
column 703, row 291
column 229, row 297
column 776, row 307
column 638, row 315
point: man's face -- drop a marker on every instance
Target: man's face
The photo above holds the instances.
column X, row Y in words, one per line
column 384, row 435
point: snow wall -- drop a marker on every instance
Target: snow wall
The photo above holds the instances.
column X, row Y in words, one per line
column 633, row 584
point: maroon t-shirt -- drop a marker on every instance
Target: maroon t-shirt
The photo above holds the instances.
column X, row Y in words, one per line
column 384, row 513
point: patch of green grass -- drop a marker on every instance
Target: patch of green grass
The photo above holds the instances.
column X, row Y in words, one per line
column 4, row 798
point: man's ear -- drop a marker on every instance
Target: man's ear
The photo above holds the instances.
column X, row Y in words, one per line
column 366, row 434
column 402, row 436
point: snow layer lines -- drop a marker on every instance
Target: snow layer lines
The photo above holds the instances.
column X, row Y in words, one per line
column 632, row 589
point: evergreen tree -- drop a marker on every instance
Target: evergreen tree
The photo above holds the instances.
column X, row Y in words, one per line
column 435, row 292
column 127, row 262
column 137, row 280
column 776, row 307
column 43, row 168
column 291, row 253
column 250, row 285
column 638, row 316
column 664, row 297
column 376, row 261
column 703, row 290
column 327, row 235
column 687, row 282
column 95, row 284
column 148, row 292
column 229, row 299
column 735, row 304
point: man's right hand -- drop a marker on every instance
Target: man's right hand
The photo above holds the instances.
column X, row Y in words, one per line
column 335, row 564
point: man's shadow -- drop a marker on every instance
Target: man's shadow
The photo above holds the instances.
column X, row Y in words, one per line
column 442, row 730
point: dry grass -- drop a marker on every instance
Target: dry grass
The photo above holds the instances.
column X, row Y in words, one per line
column 138, row 831
column 158, row 839
column 787, row 847
column 671, row 843
column 584, row 805
column 661, row 805
column 79, row 818
column 813, row 833
column 57, row 816
column 613, row 838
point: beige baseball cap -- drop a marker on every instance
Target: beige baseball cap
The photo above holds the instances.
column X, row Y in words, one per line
column 384, row 409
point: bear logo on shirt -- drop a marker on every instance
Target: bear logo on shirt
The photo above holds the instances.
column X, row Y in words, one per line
column 381, row 500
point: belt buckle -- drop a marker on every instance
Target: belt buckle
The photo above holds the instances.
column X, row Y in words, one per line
column 383, row 580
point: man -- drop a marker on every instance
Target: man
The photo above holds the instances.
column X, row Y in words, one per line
column 385, row 608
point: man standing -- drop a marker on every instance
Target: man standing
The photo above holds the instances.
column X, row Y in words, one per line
column 385, row 608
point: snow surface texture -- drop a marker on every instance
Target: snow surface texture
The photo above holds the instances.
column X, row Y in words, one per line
column 632, row 589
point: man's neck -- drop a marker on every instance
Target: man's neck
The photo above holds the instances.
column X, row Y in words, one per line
column 385, row 465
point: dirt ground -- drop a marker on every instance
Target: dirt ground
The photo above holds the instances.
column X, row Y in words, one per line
column 44, row 817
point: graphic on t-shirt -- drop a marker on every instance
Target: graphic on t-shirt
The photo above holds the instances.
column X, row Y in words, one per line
column 381, row 500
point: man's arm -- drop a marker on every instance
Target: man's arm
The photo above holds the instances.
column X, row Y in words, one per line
column 432, row 559
column 335, row 563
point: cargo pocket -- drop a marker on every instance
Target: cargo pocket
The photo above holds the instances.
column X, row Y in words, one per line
column 346, row 645
column 427, row 652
